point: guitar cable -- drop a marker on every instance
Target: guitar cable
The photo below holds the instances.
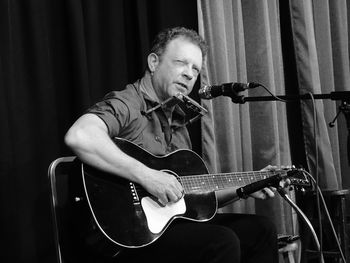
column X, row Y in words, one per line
column 285, row 196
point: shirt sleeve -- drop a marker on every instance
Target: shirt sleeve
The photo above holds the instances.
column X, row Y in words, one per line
column 113, row 112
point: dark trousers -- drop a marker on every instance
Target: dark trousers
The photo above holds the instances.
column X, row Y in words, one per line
column 226, row 238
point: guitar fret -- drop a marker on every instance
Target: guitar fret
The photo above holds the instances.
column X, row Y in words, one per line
column 214, row 182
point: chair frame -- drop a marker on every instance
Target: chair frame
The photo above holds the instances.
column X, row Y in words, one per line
column 52, row 179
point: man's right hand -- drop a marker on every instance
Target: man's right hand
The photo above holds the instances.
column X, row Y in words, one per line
column 163, row 186
column 89, row 139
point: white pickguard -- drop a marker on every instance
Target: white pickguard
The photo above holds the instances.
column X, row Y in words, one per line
column 158, row 216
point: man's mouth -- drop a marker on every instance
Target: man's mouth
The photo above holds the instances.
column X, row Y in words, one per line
column 182, row 86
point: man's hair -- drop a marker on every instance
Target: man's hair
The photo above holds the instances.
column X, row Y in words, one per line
column 165, row 36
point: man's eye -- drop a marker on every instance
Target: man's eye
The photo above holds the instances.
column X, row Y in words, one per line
column 180, row 61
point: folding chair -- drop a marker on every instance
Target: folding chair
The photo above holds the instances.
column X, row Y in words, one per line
column 70, row 214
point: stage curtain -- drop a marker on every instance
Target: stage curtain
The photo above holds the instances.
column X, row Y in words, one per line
column 320, row 36
column 245, row 46
column 293, row 48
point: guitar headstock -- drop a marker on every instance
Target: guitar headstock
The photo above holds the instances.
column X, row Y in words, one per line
column 297, row 177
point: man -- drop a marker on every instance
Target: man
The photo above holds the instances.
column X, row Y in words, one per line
column 174, row 64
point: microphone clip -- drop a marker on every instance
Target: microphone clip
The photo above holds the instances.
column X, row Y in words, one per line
column 233, row 91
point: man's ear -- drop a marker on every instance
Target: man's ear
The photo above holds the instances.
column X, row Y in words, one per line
column 152, row 61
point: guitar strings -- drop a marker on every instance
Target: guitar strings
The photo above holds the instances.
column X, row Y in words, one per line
column 213, row 182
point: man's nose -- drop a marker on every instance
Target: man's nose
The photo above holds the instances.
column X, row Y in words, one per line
column 188, row 72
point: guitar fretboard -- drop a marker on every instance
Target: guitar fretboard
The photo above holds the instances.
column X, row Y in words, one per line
column 214, row 182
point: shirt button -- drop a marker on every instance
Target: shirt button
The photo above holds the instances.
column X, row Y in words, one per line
column 157, row 138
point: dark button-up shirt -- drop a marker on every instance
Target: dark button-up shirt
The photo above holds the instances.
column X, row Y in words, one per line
column 124, row 114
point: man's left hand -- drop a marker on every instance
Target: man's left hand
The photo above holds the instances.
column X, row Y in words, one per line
column 269, row 192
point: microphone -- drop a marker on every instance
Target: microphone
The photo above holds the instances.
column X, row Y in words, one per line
column 245, row 191
column 226, row 89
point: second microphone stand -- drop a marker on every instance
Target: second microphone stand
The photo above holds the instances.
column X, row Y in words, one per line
column 344, row 97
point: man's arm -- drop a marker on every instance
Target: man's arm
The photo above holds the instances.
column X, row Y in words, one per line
column 88, row 138
column 229, row 195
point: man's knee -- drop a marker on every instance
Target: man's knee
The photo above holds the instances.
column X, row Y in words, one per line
column 224, row 246
column 267, row 225
column 227, row 236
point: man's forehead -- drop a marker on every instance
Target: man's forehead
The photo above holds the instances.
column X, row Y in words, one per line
column 180, row 41
column 182, row 47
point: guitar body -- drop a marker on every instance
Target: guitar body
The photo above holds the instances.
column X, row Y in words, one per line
column 125, row 215
column 122, row 214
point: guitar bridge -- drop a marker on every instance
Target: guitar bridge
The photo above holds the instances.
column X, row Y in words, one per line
column 134, row 194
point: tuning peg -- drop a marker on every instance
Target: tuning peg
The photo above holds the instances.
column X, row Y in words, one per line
column 288, row 167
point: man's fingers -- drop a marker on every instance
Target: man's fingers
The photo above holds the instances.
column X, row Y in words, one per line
column 268, row 192
column 170, row 197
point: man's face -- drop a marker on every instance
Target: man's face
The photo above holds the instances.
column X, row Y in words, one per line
column 177, row 69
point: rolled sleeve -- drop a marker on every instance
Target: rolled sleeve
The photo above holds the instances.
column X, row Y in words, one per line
column 113, row 112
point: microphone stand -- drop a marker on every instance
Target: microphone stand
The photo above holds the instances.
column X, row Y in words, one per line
column 345, row 109
column 335, row 95
column 344, row 97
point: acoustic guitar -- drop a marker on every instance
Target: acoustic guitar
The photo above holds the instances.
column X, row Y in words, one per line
column 128, row 216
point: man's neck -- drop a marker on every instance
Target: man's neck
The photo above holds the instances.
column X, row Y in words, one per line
column 147, row 88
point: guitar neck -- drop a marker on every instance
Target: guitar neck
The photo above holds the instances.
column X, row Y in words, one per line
column 215, row 182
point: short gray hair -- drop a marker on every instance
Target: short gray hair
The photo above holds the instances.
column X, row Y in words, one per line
column 165, row 36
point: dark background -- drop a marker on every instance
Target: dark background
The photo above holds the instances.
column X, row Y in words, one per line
column 58, row 57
